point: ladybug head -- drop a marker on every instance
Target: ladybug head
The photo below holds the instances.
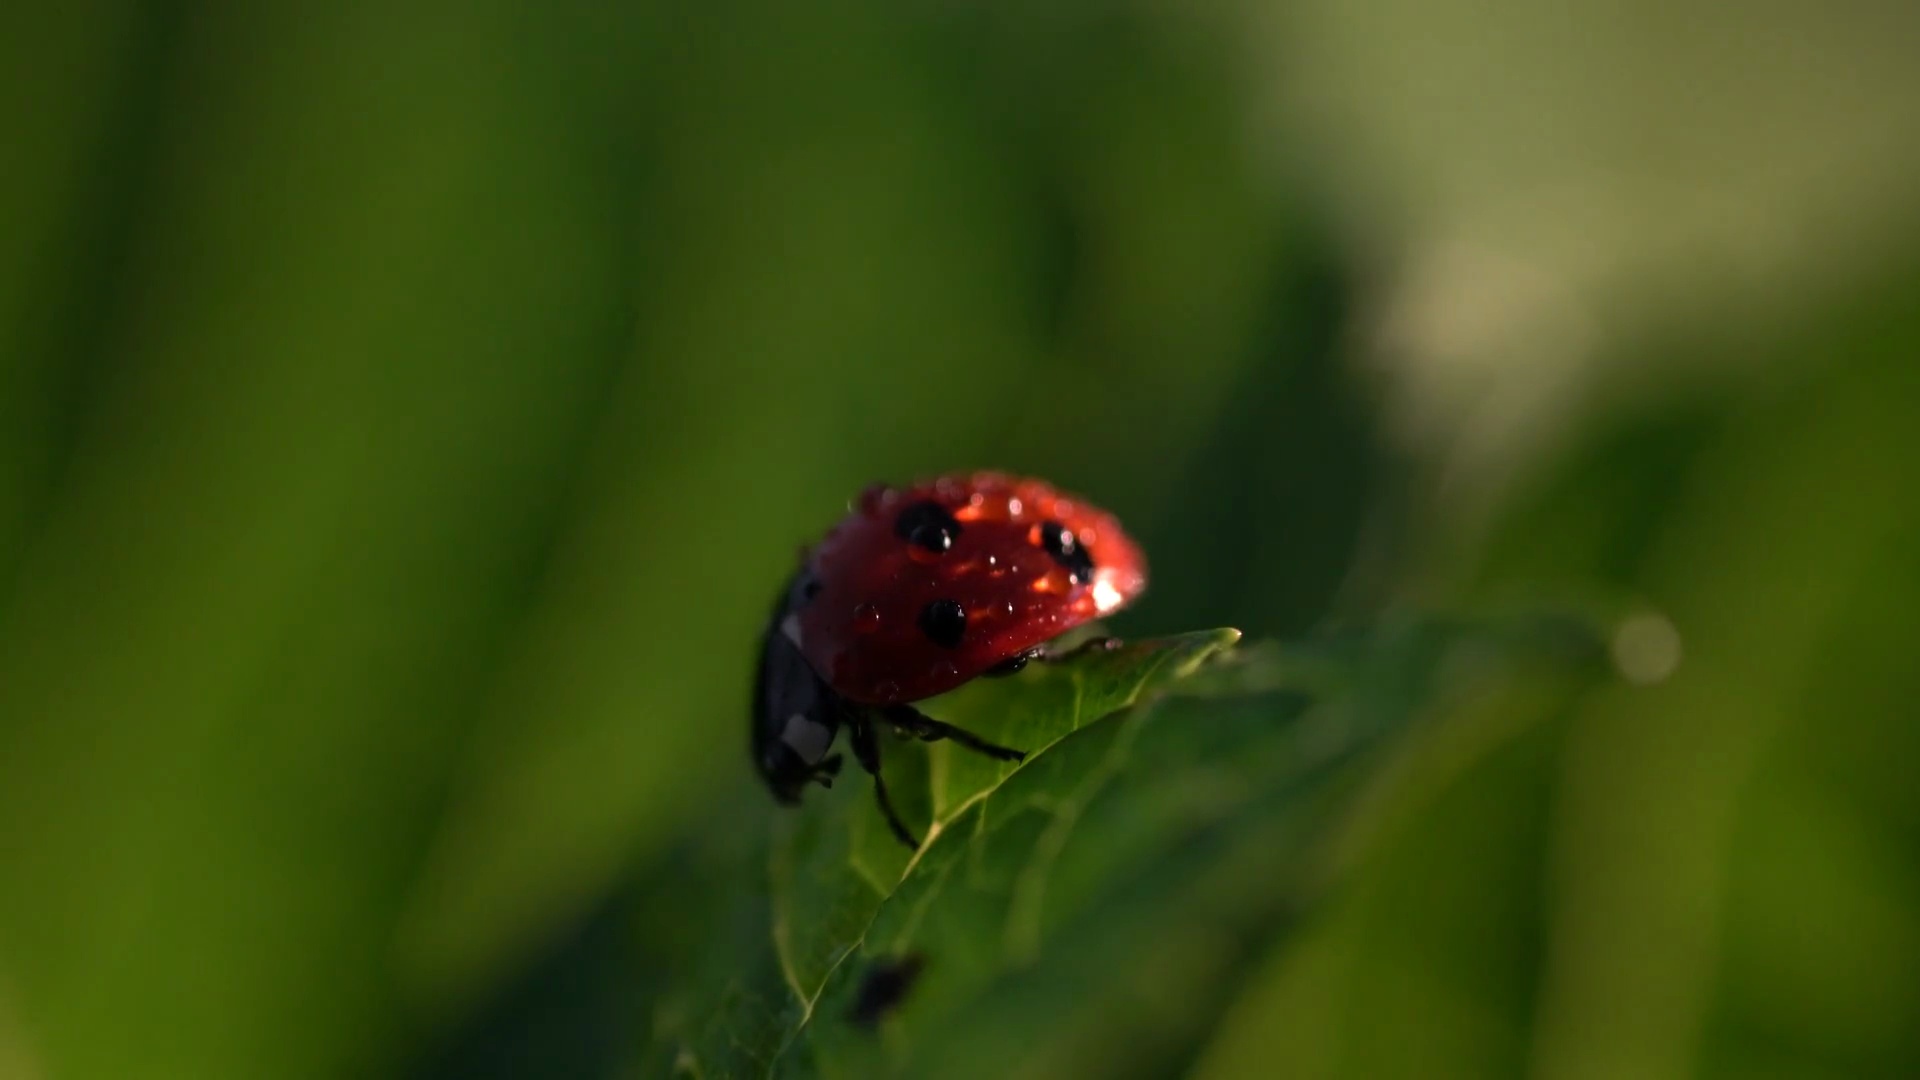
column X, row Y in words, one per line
column 795, row 714
column 784, row 772
column 798, row 757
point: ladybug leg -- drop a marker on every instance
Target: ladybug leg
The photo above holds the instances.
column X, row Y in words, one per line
column 866, row 749
column 1019, row 661
column 1015, row 663
column 1091, row 645
column 824, row 772
column 912, row 720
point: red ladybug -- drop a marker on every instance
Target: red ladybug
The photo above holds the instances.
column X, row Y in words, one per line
column 919, row 590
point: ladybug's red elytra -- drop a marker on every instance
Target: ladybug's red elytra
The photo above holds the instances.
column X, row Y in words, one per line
column 916, row 591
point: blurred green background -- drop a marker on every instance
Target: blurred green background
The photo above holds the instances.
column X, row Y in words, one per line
column 407, row 414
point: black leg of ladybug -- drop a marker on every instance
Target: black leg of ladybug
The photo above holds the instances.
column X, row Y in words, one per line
column 866, row 749
column 912, row 720
column 824, row 772
column 1015, row 663
column 1091, row 645
column 1018, row 662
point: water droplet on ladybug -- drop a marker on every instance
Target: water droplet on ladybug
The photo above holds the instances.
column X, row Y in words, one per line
column 944, row 670
column 866, row 619
column 886, row 691
column 944, row 622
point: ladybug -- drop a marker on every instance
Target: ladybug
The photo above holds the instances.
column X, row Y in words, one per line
column 916, row 591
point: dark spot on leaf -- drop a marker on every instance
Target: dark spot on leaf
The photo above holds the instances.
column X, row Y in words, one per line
column 884, row 987
column 944, row 622
column 1066, row 550
column 927, row 525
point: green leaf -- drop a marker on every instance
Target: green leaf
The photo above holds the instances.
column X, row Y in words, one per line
column 1090, row 909
column 831, row 870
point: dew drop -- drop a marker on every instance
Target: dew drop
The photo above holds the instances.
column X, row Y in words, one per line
column 866, row 619
column 1646, row 649
column 944, row 622
column 886, row 691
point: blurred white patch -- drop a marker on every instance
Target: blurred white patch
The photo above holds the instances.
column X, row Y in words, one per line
column 1646, row 649
column 1105, row 596
column 1538, row 195
column 806, row 738
column 790, row 629
column 1484, row 354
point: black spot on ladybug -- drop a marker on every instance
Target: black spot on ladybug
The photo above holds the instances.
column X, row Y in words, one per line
column 927, row 525
column 1067, row 551
column 944, row 622
column 885, row 985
